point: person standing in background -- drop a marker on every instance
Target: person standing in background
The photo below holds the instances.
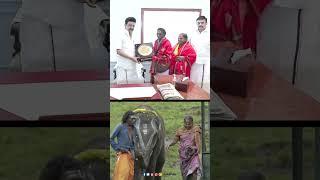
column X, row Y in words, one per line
column 200, row 71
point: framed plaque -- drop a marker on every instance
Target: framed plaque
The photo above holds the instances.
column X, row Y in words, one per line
column 144, row 51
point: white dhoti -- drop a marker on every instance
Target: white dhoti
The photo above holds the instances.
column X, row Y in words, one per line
column 200, row 75
column 128, row 76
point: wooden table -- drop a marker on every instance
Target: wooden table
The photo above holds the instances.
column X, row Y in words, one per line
column 28, row 78
column 270, row 97
column 194, row 92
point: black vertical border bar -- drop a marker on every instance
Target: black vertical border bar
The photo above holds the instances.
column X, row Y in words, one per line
column 297, row 153
column 317, row 153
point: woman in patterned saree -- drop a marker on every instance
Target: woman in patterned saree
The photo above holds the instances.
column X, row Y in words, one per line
column 189, row 149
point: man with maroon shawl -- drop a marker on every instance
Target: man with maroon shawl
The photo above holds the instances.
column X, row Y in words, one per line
column 162, row 50
column 183, row 56
column 189, row 149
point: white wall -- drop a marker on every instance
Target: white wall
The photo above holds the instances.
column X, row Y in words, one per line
column 174, row 22
column 277, row 41
column 121, row 9
column 308, row 73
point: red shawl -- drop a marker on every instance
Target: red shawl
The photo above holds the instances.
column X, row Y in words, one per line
column 183, row 67
column 251, row 22
column 162, row 52
column 222, row 29
column 247, row 26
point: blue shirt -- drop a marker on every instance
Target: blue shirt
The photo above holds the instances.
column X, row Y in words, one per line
column 122, row 135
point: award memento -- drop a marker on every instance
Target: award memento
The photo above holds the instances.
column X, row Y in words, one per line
column 144, row 51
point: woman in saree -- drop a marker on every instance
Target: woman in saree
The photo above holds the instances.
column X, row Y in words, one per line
column 183, row 56
column 189, row 149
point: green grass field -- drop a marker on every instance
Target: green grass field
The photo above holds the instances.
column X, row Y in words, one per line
column 173, row 114
column 25, row 151
column 267, row 150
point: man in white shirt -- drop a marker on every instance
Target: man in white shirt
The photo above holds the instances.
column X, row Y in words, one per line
column 127, row 63
column 54, row 38
column 200, row 40
column 94, row 19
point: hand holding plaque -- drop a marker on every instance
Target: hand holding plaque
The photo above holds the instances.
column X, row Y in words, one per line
column 144, row 51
